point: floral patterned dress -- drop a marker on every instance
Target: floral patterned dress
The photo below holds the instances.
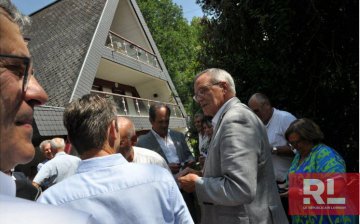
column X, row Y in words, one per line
column 322, row 159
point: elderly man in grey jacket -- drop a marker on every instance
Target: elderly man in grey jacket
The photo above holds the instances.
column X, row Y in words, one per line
column 237, row 184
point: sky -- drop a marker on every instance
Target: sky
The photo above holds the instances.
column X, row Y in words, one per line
column 190, row 8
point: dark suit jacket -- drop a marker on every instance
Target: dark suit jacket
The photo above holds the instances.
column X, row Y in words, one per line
column 238, row 185
column 149, row 141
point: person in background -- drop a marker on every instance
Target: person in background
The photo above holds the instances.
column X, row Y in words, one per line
column 106, row 184
column 45, row 148
column 276, row 122
column 237, row 184
column 171, row 145
column 20, row 93
column 208, row 131
column 313, row 157
column 133, row 153
column 198, row 118
column 59, row 168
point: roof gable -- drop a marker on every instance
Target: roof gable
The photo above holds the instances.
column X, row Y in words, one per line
column 60, row 36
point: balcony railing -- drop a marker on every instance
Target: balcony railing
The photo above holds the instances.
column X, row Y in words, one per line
column 133, row 106
column 126, row 47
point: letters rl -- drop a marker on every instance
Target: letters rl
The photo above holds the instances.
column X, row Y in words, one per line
column 318, row 189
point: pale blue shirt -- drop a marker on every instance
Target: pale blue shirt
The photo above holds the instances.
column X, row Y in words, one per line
column 21, row 211
column 168, row 147
column 57, row 169
column 116, row 191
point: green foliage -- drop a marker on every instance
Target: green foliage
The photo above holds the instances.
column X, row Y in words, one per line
column 177, row 41
column 303, row 54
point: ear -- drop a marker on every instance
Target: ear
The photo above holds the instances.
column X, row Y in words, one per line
column 113, row 131
column 133, row 140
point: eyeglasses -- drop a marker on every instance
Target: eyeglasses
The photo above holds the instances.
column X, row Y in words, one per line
column 294, row 143
column 202, row 90
column 19, row 66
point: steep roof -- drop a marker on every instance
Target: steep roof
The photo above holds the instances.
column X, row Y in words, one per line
column 67, row 42
column 60, row 37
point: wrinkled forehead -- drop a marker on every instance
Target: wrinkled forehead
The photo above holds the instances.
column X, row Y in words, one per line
column 201, row 80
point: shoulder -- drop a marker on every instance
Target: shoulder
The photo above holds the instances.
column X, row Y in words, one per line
column 177, row 133
column 328, row 159
column 150, row 173
column 32, row 212
column 145, row 152
column 284, row 114
column 146, row 136
column 239, row 112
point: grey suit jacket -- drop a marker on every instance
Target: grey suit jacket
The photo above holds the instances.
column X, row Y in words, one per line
column 238, row 185
column 149, row 141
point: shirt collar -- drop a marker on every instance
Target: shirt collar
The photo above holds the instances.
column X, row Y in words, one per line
column 216, row 118
column 100, row 162
column 60, row 153
column 158, row 136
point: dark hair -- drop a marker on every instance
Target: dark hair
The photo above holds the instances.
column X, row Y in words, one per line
column 155, row 107
column 87, row 121
column 306, row 129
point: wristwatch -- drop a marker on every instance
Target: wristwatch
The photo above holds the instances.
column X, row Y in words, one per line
column 274, row 150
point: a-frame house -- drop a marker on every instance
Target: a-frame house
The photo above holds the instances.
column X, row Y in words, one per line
column 104, row 47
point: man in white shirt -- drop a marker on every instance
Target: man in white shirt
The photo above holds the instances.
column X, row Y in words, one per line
column 20, row 93
column 276, row 123
column 133, row 153
column 58, row 168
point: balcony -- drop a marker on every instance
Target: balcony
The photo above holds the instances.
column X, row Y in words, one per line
column 123, row 46
column 133, row 106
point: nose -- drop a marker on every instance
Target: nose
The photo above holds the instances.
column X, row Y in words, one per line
column 35, row 95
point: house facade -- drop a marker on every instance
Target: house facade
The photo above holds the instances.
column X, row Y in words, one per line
column 101, row 47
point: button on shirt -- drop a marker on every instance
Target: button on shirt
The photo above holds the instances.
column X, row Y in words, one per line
column 168, row 147
column 116, row 191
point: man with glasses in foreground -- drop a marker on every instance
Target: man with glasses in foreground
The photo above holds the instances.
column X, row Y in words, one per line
column 238, row 183
column 19, row 94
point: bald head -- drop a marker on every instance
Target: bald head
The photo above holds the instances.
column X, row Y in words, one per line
column 128, row 137
column 260, row 104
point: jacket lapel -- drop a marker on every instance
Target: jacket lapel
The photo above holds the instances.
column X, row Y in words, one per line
column 156, row 146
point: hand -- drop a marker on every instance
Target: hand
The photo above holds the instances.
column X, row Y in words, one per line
column 188, row 170
column 284, row 194
column 187, row 183
column 174, row 167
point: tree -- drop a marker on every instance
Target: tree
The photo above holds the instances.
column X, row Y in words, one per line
column 302, row 54
column 177, row 41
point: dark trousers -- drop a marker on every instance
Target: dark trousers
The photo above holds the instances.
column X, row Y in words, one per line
column 191, row 203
